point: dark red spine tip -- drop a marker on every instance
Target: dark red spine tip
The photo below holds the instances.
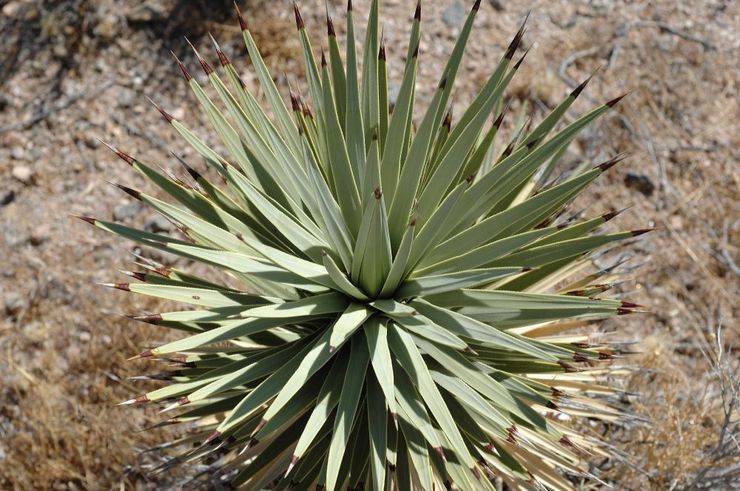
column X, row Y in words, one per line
column 323, row 59
column 604, row 166
column 330, row 27
column 514, row 44
column 641, row 231
column 378, row 193
column 608, row 216
column 125, row 157
column 89, row 220
column 185, row 71
column 206, row 67
column 242, row 23
column 213, row 437
column 167, row 116
column 521, row 60
column 415, row 54
column 122, row 286
column 141, row 399
column 149, row 319
column 381, row 52
column 567, row 367
column 349, row 5
column 476, row 5
column 622, row 311
column 447, row 122
column 475, row 472
column 138, row 275
column 614, row 101
column 577, row 91
column 183, row 401
column 131, row 192
column 443, row 83
column 553, row 406
column 260, row 425
column 298, row 19
column 417, row 12
column 629, row 305
column 499, row 120
column 580, row 357
column 222, row 58
column 295, row 102
column 526, row 268
column 441, row 452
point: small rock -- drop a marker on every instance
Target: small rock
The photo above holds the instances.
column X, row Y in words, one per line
column 17, row 153
column 107, row 27
column 14, row 236
column 7, row 197
column 158, row 223
column 454, row 15
column 640, row 182
column 393, row 90
column 127, row 211
column 149, row 11
column 497, row 5
column 10, row 9
column 40, row 234
column 22, row 173
column 14, row 303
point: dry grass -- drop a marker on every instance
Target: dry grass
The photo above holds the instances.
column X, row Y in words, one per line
column 63, row 349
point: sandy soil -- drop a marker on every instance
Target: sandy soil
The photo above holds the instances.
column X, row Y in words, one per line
column 78, row 70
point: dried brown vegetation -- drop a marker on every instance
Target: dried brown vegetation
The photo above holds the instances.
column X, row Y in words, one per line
column 64, row 343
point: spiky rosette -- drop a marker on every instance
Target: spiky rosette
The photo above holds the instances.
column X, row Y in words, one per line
column 407, row 292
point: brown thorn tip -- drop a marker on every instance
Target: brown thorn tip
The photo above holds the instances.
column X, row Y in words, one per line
column 183, row 68
column 475, row 472
column 242, row 22
column 323, row 59
column 604, row 166
column 260, row 425
column 417, row 12
column 89, row 220
column 149, row 318
column 526, row 268
column 521, row 60
column 330, row 27
column 298, row 19
column 213, row 436
column 577, row 91
column 441, row 452
column 614, row 101
column 167, row 116
column 514, row 44
column 630, row 305
column 476, row 5
column 381, row 52
column 641, row 231
column 378, row 193
column 349, row 5
column 131, row 192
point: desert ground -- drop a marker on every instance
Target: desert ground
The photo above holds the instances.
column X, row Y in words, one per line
column 76, row 71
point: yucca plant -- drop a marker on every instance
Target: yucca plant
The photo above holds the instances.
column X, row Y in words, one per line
column 401, row 299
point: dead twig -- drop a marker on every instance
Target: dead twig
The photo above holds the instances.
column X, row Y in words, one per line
column 45, row 111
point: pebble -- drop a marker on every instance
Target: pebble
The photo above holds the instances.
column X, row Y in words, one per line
column 157, row 223
column 6, row 197
column 14, row 303
column 454, row 15
column 40, row 234
column 22, row 173
column 17, row 153
column 640, row 182
column 127, row 211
